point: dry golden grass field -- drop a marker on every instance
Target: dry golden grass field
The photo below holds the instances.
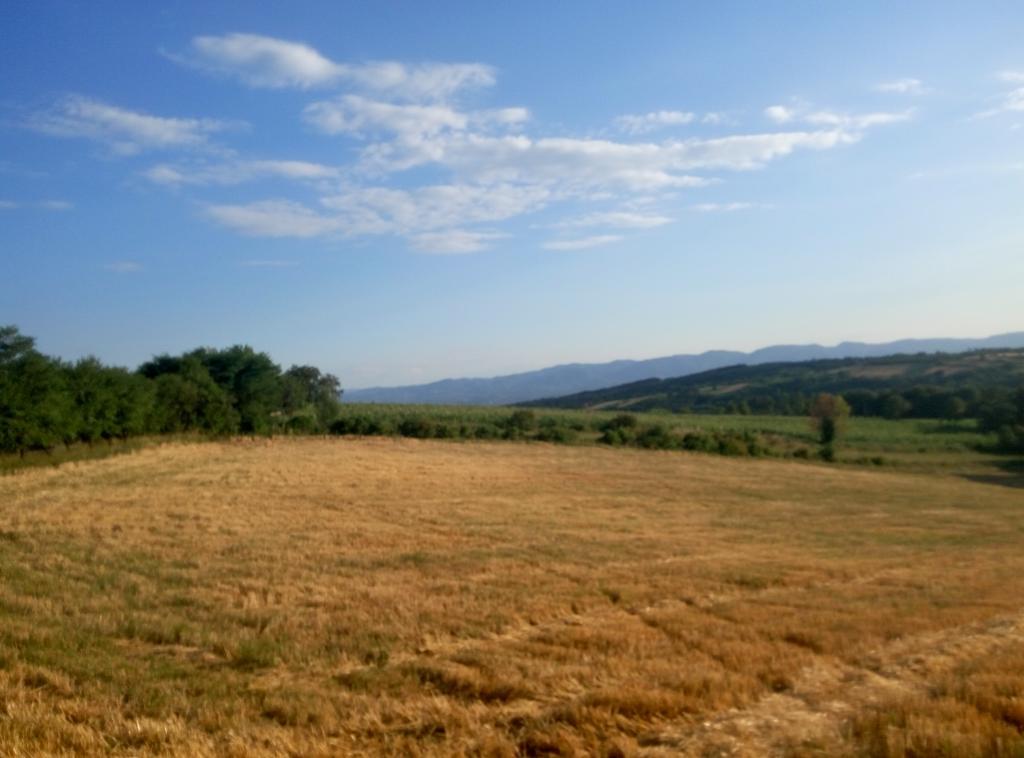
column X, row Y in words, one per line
column 383, row 596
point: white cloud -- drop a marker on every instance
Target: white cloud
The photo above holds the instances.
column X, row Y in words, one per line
column 780, row 114
column 577, row 166
column 582, row 243
column 502, row 177
column 238, row 172
column 354, row 114
column 722, row 207
column 382, row 210
column 484, row 167
column 648, row 122
column 424, row 81
column 903, row 87
column 264, row 61
column 1013, row 100
column 499, row 117
column 430, row 216
column 855, row 122
column 615, row 219
column 274, row 218
column 125, row 132
column 261, row 61
column 123, row 267
column 49, row 205
column 454, row 241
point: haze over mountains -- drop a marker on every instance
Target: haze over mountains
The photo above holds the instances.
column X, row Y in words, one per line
column 579, row 377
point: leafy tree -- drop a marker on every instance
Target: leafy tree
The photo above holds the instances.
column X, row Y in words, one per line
column 828, row 417
column 191, row 401
column 92, row 391
column 252, row 381
column 1005, row 416
column 305, row 392
column 36, row 412
column 894, row 406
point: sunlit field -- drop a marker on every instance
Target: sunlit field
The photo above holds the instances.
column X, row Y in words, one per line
column 344, row 596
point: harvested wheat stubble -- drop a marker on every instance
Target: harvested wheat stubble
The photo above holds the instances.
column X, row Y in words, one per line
column 325, row 597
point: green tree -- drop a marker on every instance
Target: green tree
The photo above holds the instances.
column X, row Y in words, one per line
column 36, row 412
column 894, row 406
column 307, row 393
column 91, row 386
column 828, row 417
column 252, row 381
column 190, row 400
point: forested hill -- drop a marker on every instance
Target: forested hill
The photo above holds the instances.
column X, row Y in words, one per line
column 923, row 384
column 556, row 381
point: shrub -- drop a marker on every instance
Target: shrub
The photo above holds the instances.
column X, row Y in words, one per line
column 732, row 445
column 655, row 437
column 522, row 421
column 417, row 427
column 621, row 421
column 699, row 441
column 486, row 432
column 554, row 433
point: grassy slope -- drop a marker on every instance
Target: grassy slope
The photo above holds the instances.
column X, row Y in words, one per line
column 380, row 596
column 983, row 369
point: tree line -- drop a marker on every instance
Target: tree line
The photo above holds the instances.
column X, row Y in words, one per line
column 46, row 402
column 924, row 402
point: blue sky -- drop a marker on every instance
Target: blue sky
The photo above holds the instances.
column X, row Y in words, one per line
column 400, row 192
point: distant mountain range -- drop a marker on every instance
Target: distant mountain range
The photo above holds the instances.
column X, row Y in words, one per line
column 581, row 377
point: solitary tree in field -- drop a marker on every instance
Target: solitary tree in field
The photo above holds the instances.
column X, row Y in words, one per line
column 828, row 417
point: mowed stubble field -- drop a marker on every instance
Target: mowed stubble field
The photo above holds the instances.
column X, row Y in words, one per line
column 387, row 596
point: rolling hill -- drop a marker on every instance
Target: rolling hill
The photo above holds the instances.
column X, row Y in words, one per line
column 573, row 378
column 773, row 387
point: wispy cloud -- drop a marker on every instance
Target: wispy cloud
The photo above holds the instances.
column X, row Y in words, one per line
column 48, row 205
column 238, row 172
column 261, row 61
column 723, row 207
column 430, row 218
column 454, row 241
column 123, row 267
column 485, row 166
column 851, row 123
column 354, row 114
column 906, row 86
column 274, row 218
column 1011, row 101
column 648, row 122
column 124, row 131
column 582, row 243
column 780, row 114
column 856, row 122
column 505, row 176
column 383, row 210
column 615, row 219
column 588, row 164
